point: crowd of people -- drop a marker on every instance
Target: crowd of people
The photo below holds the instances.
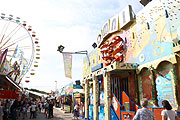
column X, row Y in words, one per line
column 14, row 109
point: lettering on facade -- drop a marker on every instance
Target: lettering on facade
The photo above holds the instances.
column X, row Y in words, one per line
column 113, row 25
column 99, row 38
column 105, row 29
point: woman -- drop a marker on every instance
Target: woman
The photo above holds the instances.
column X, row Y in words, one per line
column 168, row 114
column 144, row 113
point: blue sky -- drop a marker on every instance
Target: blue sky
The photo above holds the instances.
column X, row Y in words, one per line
column 72, row 23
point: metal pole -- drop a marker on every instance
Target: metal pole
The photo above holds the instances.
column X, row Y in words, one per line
column 55, row 85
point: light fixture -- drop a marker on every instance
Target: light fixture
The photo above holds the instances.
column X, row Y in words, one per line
column 61, row 48
column 94, row 45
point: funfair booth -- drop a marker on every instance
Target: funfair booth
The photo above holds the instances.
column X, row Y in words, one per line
column 137, row 56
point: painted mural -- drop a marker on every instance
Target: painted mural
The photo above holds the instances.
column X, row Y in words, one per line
column 165, row 90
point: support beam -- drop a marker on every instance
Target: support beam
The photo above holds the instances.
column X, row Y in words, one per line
column 95, row 97
column 87, row 98
column 107, row 95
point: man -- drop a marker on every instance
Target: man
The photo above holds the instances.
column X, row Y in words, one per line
column 144, row 113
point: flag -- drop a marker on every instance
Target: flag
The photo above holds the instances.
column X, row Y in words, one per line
column 67, row 65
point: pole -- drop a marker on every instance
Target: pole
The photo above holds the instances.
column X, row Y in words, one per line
column 55, row 85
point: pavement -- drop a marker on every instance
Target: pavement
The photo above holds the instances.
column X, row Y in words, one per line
column 66, row 113
column 59, row 114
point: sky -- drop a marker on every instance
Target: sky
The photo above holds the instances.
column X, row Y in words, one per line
column 74, row 24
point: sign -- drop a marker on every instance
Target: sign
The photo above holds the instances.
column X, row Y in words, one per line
column 68, row 65
column 99, row 38
column 127, row 115
column 97, row 67
column 126, row 16
column 114, row 24
column 105, row 29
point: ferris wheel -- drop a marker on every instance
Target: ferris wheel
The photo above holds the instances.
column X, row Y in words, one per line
column 21, row 44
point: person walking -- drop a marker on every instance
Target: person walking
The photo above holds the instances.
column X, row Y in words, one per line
column 168, row 113
column 13, row 110
column 32, row 110
column 144, row 113
column 40, row 106
column 5, row 109
column 24, row 111
column 76, row 111
column 50, row 109
column 1, row 112
column 46, row 106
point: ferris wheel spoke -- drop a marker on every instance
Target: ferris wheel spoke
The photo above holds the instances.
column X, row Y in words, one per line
column 5, row 42
column 8, row 46
column 17, row 39
column 2, row 39
column 4, row 31
column 25, row 47
column 14, row 41
column 13, row 32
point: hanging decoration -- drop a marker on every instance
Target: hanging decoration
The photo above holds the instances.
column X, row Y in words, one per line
column 68, row 65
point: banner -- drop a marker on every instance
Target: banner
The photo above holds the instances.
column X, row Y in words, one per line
column 67, row 89
column 68, row 65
